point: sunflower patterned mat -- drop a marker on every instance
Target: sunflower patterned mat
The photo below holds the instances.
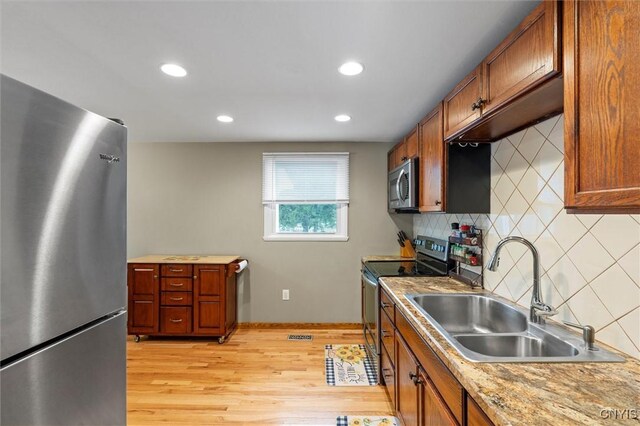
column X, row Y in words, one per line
column 366, row 421
column 348, row 365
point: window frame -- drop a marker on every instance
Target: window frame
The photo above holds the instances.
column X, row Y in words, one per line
column 271, row 216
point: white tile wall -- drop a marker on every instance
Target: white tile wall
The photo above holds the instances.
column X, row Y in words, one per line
column 590, row 263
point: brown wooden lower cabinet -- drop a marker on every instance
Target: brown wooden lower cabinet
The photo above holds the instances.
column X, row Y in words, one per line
column 424, row 392
column 182, row 299
column 408, row 402
column 475, row 415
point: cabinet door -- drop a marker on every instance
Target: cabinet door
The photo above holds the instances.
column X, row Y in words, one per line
column 432, row 162
column 209, row 313
column 460, row 105
column 475, row 415
column 434, row 411
column 601, row 105
column 407, row 404
column 400, row 151
column 391, row 160
column 529, row 55
column 142, row 316
column 143, row 280
column 143, row 289
column 411, row 143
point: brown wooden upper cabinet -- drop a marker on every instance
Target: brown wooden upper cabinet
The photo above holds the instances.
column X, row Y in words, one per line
column 512, row 88
column 602, row 105
column 402, row 151
column 530, row 53
column 432, row 162
column 461, row 104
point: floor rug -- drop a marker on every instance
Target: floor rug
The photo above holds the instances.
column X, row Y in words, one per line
column 367, row 421
column 348, row 365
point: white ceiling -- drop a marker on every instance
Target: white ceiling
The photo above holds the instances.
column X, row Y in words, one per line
column 272, row 65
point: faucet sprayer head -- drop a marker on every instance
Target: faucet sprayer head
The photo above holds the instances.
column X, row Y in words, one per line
column 494, row 262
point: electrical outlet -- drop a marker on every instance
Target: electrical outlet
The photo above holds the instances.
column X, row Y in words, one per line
column 285, row 294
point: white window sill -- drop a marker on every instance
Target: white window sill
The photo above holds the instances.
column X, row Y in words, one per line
column 305, row 237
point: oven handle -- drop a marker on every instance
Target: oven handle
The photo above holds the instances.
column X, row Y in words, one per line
column 367, row 280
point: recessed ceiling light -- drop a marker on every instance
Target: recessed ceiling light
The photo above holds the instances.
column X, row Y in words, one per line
column 224, row 118
column 351, row 68
column 342, row 118
column 173, row 70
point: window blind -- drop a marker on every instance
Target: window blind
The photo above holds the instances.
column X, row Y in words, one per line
column 305, row 178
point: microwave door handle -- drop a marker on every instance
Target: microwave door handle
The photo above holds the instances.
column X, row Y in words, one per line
column 398, row 186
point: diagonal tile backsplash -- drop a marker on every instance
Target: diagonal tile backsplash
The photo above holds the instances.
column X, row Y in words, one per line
column 590, row 264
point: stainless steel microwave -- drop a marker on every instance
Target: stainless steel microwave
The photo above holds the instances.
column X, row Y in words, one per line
column 403, row 187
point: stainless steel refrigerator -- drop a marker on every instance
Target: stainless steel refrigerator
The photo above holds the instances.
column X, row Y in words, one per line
column 63, row 262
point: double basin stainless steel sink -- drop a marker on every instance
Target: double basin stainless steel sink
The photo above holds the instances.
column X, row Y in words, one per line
column 484, row 329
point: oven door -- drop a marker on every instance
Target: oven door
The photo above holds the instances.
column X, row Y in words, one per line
column 370, row 317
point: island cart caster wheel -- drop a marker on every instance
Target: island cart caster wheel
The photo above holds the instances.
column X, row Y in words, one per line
column 221, row 340
column 136, row 339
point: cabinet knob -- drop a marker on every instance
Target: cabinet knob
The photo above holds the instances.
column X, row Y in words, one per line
column 478, row 104
column 438, row 202
column 155, row 277
column 195, row 277
column 414, row 378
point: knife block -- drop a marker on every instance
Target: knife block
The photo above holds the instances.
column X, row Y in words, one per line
column 407, row 250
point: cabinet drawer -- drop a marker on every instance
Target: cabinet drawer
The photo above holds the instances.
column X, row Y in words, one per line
column 177, row 270
column 387, row 335
column 388, row 376
column 177, row 284
column 175, row 320
column 177, row 298
column 447, row 385
column 387, row 305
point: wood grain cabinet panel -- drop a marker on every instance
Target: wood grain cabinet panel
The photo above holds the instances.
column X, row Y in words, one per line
column 407, row 404
column 175, row 320
column 432, row 162
column 528, row 55
column 387, row 336
column 209, row 317
column 177, row 270
column 143, row 280
column 176, row 298
column 602, row 105
column 411, row 144
column 210, row 280
column 434, row 411
column 475, row 415
column 142, row 315
column 143, row 295
column 460, row 108
column 176, row 284
column 388, row 371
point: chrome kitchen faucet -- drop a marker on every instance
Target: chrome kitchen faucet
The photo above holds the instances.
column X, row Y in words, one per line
column 538, row 309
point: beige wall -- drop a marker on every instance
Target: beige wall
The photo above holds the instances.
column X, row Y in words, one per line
column 197, row 198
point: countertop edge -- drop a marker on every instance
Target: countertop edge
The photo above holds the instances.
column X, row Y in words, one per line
column 455, row 362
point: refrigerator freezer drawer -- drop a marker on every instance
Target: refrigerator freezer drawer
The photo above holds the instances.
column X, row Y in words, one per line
column 80, row 380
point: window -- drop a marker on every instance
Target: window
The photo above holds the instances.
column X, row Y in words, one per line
column 305, row 196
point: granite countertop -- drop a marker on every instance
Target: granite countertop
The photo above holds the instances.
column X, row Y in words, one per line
column 383, row 257
column 528, row 393
column 195, row 259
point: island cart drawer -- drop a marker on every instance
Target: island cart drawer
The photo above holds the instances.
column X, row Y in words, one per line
column 175, row 320
column 177, row 284
column 177, row 270
column 177, row 298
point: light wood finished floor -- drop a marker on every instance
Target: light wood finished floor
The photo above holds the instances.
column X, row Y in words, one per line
column 256, row 377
